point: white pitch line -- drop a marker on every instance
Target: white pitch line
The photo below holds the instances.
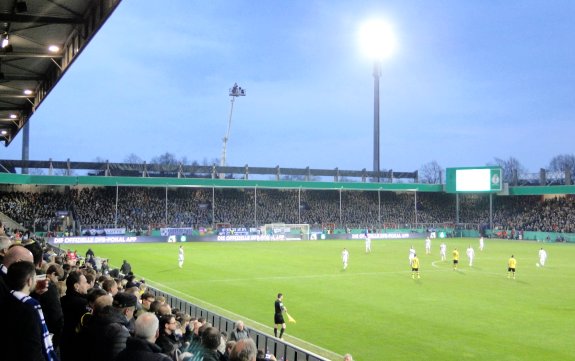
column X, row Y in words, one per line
column 162, row 286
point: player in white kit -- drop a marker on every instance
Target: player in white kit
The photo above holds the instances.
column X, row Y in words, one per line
column 442, row 251
column 344, row 257
column 428, row 245
column 470, row 255
column 367, row 244
column 411, row 254
column 542, row 257
column 181, row 256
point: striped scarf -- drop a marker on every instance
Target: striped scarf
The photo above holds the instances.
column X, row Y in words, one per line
column 47, row 347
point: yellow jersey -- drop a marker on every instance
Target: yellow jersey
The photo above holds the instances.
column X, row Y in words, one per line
column 512, row 262
column 455, row 255
column 415, row 262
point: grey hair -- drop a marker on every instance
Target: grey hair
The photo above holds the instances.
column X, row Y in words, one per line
column 147, row 325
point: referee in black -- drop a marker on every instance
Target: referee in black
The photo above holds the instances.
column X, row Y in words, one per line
column 278, row 316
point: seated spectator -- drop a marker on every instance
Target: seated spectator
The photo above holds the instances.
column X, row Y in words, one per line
column 239, row 332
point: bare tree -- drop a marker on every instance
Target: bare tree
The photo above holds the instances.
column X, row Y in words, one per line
column 431, row 173
column 508, row 167
column 561, row 163
column 133, row 159
column 166, row 159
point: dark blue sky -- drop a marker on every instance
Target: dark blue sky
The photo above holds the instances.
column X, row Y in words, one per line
column 470, row 81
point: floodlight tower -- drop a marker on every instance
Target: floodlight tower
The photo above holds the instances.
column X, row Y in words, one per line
column 377, row 40
column 235, row 91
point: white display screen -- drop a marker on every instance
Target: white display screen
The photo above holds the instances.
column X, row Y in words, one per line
column 473, row 180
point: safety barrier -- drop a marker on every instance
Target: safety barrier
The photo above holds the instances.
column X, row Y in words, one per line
column 282, row 350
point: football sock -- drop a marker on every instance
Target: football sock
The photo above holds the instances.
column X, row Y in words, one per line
column 282, row 332
column 275, row 331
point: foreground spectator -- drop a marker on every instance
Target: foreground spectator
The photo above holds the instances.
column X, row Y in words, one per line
column 74, row 306
column 108, row 331
column 244, row 350
column 210, row 344
column 23, row 329
column 142, row 346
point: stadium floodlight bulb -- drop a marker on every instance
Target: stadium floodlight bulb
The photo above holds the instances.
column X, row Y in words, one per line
column 377, row 39
column 54, row 48
column 27, row 92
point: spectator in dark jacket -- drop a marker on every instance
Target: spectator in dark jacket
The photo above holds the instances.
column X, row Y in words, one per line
column 108, row 331
column 142, row 346
column 74, row 306
column 126, row 268
column 210, row 344
column 167, row 340
column 239, row 332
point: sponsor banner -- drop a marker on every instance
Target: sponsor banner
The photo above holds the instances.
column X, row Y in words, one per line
column 398, row 235
column 238, row 231
column 104, row 232
column 176, row 231
column 100, row 239
column 252, row 238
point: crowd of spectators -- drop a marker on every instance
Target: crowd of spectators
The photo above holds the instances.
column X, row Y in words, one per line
column 141, row 208
column 67, row 308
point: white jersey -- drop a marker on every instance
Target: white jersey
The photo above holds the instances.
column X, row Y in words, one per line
column 345, row 256
column 481, row 244
column 367, row 244
column 542, row 256
column 411, row 254
column 442, row 249
column 470, row 255
column 427, row 245
column 181, row 257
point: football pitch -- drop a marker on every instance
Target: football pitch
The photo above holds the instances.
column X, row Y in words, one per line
column 374, row 309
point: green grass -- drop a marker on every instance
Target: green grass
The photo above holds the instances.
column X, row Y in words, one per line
column 374, row 309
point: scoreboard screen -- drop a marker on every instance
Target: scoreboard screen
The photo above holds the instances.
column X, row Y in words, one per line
column 473, row 180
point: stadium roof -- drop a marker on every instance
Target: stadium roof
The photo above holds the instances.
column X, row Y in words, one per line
column 39, row 40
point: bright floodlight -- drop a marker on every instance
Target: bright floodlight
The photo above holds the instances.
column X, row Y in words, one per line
column 377, row 39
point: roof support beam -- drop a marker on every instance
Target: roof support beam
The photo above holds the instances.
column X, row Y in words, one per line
column 20, row 18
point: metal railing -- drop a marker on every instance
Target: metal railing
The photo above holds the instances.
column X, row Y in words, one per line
column 280, row 348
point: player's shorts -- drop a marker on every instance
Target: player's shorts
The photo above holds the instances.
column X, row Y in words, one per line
column 510, row 269
column 278, row 319
column 455, row 261
column 414, row 269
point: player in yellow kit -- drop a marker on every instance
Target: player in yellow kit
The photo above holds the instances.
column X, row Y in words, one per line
column 455, row 259
column 415, row 267
column 511, row 264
